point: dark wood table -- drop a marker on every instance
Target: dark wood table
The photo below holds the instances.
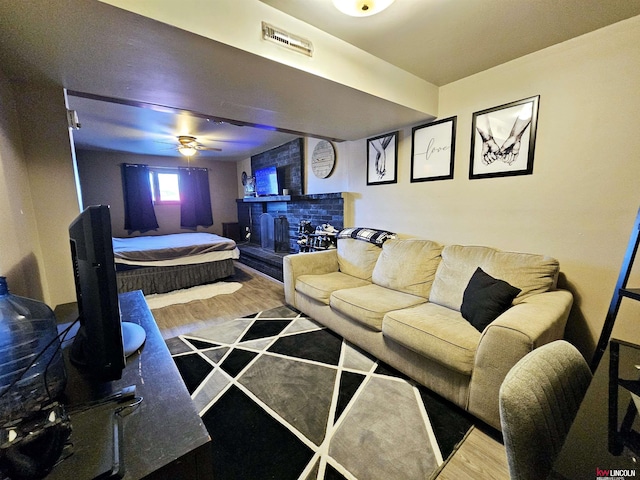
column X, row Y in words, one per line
column 163, row 437
column 593, row 447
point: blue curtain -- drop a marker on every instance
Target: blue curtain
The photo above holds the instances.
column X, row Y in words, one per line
column 195, row 200
column 138, row 202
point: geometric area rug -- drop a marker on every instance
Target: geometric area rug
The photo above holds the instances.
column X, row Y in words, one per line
column 285, row 398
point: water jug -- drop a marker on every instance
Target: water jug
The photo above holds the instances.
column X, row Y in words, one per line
column 32, row 371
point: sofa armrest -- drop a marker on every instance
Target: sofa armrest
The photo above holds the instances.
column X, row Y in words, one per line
column 538, row 320
column 321, row 262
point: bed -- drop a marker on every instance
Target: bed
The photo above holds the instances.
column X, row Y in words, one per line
column 162, row 263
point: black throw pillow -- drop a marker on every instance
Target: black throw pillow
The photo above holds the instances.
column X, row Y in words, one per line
column 485, row 298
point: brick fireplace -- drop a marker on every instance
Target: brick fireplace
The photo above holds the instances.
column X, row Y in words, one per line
column 273, row 221
column 261, row 253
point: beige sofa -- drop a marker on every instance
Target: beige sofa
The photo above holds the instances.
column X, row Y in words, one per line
column 402, row 303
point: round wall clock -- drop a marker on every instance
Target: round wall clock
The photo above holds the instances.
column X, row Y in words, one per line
column 323, row 159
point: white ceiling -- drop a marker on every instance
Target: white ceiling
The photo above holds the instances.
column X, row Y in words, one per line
column 443, row 41
column 149, row 130
column 143, row 83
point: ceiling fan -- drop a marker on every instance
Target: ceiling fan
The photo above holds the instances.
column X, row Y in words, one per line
column 189, row 146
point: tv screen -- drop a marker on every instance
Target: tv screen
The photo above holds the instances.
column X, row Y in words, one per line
column 99, row 346
column 267, row 181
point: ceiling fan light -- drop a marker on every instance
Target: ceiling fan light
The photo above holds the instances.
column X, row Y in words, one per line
column 187, row 140
column 361, row 8
column 187, row 150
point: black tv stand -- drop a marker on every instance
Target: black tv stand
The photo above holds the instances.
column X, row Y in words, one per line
column 162, row 438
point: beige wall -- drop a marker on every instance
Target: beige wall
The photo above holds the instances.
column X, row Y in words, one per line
column 101, row 182
column 49, row 158
column 38, row 192
column 581, row 201
column 20, row 255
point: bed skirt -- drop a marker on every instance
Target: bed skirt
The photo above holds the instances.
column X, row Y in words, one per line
column 165, row 279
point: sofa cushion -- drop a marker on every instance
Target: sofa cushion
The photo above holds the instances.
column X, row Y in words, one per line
column 320, row 287
column 530, row 273
column 408, row 266
column 357, row 258
column 369, row 304
column 436, row 332
column 485, row 298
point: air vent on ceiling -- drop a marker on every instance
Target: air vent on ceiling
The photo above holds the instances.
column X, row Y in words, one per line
column 286, row 39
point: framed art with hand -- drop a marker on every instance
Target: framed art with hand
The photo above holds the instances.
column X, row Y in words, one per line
column 382, row 159
column 503, row 139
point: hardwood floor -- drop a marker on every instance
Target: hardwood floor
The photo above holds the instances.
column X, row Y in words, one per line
column 479, row 457
column 258, row 292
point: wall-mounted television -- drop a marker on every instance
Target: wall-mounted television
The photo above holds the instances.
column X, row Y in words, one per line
column 102, row 342
column 267, row 181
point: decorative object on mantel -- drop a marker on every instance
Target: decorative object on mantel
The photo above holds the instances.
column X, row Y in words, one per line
column 503, row 139
column 433, row 150
column 249, row 185
column 323, row 159
column 382, row 163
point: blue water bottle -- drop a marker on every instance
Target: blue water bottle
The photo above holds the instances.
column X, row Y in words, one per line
column 32, row 371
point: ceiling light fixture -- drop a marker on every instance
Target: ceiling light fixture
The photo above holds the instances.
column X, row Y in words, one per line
column 361, row 8
column 187, row 151
column 187, row 145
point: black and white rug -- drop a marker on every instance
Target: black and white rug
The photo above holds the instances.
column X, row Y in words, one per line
column 285, row 398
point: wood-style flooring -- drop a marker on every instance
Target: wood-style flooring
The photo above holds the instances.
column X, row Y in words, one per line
column 479, row 457
column 258, row 292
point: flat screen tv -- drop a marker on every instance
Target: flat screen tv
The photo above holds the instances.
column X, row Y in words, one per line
column 267, row 181
column 102, row 342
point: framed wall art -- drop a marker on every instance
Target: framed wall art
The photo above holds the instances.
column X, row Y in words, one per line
column 503, row 139
column 382, row 159
column 433, row 150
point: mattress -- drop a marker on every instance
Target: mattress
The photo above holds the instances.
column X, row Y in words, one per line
column 173, row 249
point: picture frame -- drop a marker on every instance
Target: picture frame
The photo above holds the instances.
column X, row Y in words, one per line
column 503, row 139
column 382, row 159
column 433, row 148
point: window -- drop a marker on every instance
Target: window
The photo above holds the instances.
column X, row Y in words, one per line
column 164, row 185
